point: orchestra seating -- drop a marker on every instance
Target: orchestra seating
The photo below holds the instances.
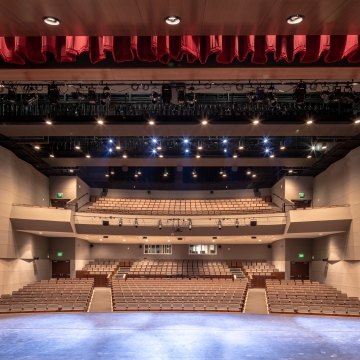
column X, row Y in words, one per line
column 49, row 295
column 178, row 294
column 263, row 268
column 179, row 268
column 104, row 267
column 306, row 297
column 254, row 205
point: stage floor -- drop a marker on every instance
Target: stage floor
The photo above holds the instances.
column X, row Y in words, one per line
column 147, row 335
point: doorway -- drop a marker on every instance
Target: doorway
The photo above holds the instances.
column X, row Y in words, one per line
column 61, row 268
column 299, row 270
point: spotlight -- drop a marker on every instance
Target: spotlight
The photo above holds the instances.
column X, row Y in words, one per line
column 265, row 140
column 124, row 156
column 166, row 93
column 110, row 150
column 11, row 96
column 282, row 145
column 190, row 224
column 52, row 155
column 118, row 147
column 77, row 147
column 323, row 146
column 51, row 20
column 30, row 98
column 225, row 141
column 154, row 140
column 100, row 121
column 88, row 156
column 166, row 173
column 48, row 122
column 241, row 145
column 153, row 151
column 309, row 156
column 248, row 172
column 198, row 156
column 219, row 225
column 105, row 96
column 295, row 19
column 181, row 95
column 204, row 122
column 160, row 225
column 357, row 121
column 151, row 122
column 290, row 171
column 91, row 97
column 161, row 156
column 309, row 122
column 235, row 156
column 53, row 94
column 267, row 150
column 191, row 97
column 154, row 97
column 256, row 121
column 253, row 175
column 186, row 151
column 300, row 93
column 172, row 20
column 186, row 141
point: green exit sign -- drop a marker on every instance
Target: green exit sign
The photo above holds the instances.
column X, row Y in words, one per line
column 60, row 254
column 301, row 255
column 60, row 195
column 301, row 195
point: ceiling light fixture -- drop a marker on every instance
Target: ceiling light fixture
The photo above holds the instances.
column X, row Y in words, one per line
column 151, row 122
column 88, row 156
column 100, row 121
column 172, row 20
column 309, row 122
column 357, row 121
column 204, row 122
column 255, row 121
column 219, row 225
column 295, row 19
column 51, row 20
column 37, row 147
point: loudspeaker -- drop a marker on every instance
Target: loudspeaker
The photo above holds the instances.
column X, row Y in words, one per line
column 105, row 222
column 253, row 222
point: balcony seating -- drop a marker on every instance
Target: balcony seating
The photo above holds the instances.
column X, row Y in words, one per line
column 179, row 268
column 181, row 207
column 103, row 267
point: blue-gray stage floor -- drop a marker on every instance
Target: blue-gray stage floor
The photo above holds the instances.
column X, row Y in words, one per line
column 159, row 336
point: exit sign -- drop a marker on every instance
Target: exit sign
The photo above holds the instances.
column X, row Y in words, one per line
column 301, row 255
column 301, row 195
column 60, row 195
column 60, row 254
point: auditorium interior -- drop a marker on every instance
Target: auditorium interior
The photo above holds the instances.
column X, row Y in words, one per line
column 179, row 179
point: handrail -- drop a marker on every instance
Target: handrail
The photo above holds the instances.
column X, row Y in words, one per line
column 76, row 199
column 284, row 200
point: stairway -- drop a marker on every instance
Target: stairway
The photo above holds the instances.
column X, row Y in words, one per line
column 101, row 300
column 256, row 302
column 123, row 270
column 237, row 272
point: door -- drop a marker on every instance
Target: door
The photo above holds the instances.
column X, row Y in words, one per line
column 299, row 270
column 61, row 268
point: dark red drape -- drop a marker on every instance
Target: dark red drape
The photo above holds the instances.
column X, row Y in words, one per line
column 226, row 49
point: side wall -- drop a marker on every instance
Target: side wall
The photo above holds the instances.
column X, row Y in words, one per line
column 22, row 184
column 339, row 184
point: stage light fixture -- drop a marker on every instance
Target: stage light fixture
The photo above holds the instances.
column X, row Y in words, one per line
column 295, row 19
column 151, row 122
column 219, row 225
column 51, row 20
column 166, row 93
column 53, row 94
column 160, row 225
column 154, row 97
column 172, row 20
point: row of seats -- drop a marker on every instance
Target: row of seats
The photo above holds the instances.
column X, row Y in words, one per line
column 259, row 268
column 185, row 268
column 308, row 297
column 49, row 295
column 179, row 294
column 183, row 207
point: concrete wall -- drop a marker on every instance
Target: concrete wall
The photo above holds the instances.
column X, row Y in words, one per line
column 226, row 252
column 298, row 184
column 21, row 184
column 339, row 184
column 82, row 253
column 63, row 184
column 278, row 254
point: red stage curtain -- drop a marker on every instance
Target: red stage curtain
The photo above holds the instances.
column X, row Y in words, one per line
column 226, row 49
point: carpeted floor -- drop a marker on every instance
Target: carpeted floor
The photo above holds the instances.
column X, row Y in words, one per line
column 101, row 300
column 161, row 336
column 256, row 302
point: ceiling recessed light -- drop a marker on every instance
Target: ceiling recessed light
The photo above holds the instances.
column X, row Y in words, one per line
column 172, row 20
column 295, row 19
column 51, row 20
